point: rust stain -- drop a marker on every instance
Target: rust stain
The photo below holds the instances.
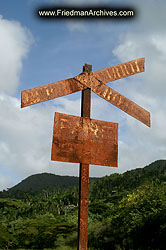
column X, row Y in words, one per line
column 94, row 128
column 127, row 72
column 63, row 123
column 132, row 68
column 122, row 69
column 91, row 142
column 117, row 72
column 114, row 73
column 137, row 66
column 47, row 91
column 105, row 93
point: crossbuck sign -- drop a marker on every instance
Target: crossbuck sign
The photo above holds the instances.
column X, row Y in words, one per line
column 84, row 140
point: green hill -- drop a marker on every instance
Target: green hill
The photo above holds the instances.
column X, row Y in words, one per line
column 115, row 182
column 39, row 182
column 130, row 180
column 125, row 211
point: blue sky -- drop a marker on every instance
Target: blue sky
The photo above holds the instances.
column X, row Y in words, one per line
column 35, row 51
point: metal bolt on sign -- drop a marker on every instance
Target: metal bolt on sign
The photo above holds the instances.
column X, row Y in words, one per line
column 82, row 139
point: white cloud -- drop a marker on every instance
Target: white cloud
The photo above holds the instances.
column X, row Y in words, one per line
column 25, row 135
column 135, row 45
column 77, row 25
column 152, row 16
column 145, row 145
column 5, row 182
column 14, row 45
column 68, row 106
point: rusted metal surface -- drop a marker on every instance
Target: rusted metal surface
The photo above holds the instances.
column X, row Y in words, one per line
column 120, row 71
column 122, row 103
column 83, row 207
column 50, row 91
column 84, row 175
column 112, row 73
column 71, row 85
column 112, row 96
column 84, row 140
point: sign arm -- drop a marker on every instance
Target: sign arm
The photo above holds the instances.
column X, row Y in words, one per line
column 122, row 103
column 71, row 85
column 120, row 71
column 50, row 91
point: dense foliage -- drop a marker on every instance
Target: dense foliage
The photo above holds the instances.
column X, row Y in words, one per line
column 126, row 212
column 38, row 182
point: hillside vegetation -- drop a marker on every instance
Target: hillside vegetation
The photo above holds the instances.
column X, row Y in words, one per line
column 126, row 212
column 38, row 182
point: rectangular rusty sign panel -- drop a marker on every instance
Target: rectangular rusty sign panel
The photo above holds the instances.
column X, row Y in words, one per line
column 84, row 140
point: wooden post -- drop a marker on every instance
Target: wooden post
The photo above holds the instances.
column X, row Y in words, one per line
column 84, row 175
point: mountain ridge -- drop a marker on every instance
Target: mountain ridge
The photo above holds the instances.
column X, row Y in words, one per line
column 44, row 181
column 39, row 182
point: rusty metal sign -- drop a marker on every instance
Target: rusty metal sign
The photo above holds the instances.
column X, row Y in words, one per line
column 50, row 91
column 120, row 71
column 115, row 98
column 83, row 140
column 96, row 81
